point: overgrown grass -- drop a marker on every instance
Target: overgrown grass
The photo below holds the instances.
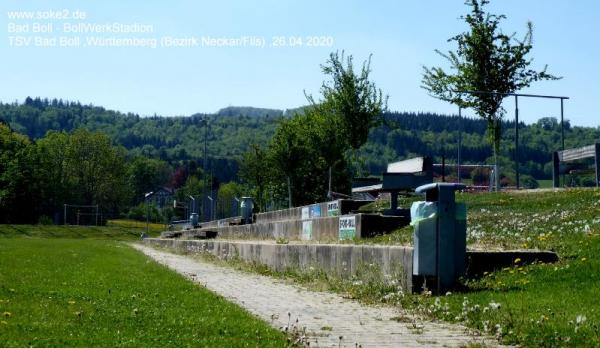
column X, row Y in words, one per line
column 115, row 229
column 87, row 292
column 138, row 225
column 519, row 220
column 534, row 305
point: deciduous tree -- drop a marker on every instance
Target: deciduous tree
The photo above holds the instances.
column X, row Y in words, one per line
column 486, row 60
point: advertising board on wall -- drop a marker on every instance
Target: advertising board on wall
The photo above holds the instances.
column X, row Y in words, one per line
column 347, row 227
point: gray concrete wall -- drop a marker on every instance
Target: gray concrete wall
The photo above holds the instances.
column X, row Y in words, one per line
column 346, row 206
column 343, row 260
column 323, row 228
column 222, row 222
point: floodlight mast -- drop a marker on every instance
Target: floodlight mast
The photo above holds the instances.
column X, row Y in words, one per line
column 148, row 194
column 516, row 95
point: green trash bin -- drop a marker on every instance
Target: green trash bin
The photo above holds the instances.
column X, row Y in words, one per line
column 439, row 237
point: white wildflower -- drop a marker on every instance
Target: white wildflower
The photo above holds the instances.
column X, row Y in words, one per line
column 494, row 305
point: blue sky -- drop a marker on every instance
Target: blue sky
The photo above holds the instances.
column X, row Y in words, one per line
column 401, row 36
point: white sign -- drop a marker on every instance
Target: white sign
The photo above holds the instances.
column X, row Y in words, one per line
column 333, row 208
column 305, row 213
column 307, row 230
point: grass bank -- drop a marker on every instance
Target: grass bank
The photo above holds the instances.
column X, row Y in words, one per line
column 90, row 292
column 115, row 229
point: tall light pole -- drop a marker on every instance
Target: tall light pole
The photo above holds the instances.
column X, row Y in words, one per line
column 237, row 206
column 205, row 164
column 459, row 142
column 147, row 209
column 193, row 204
column 211, row 207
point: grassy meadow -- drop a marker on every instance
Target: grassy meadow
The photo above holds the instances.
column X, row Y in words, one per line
column 79, row 286
column 114, row 230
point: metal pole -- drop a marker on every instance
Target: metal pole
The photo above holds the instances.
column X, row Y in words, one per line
column 562, row 124
column 65, row 215
column 562, row 130
column 205, row 164
column 147, row 215
column 459, row 142
column 96, row 214
column 443, row 166
column 211, row 213
column 597, row 163
column 517, row 140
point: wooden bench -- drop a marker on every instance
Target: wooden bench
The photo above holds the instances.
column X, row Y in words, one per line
column 590, row 151
column 406, row 176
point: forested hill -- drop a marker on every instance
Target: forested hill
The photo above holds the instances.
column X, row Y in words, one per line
column 233, row 129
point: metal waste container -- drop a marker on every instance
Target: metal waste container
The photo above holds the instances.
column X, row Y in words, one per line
column 246, row 209
column 440, row 237
column 194, row 219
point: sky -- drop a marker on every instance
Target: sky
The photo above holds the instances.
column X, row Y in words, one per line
column 286, row 42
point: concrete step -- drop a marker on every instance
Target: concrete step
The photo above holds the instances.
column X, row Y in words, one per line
column 346, row 260
column 330, row 228
column 324, row 209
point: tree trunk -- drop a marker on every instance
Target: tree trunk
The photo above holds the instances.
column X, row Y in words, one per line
column 496, row 167
column 494, row 133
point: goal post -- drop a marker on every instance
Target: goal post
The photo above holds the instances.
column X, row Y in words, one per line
column 481, row 176
column 78, row 214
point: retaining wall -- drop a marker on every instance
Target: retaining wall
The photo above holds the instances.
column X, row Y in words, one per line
column 346, row 260
column 343, row 260
column 317, row 210
column 319, row 228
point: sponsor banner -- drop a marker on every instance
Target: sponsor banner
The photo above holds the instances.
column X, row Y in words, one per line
column 305, row 213
column 347, row 227
column 315, row 211
column 333, row 208
column 307, row 230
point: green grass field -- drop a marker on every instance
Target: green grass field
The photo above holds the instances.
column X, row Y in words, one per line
column 58, row 292
column 114, row 230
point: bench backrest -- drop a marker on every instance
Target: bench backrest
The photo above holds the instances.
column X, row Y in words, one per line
column 413, row 165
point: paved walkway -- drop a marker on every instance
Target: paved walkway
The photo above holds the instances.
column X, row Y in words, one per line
column 326, row 316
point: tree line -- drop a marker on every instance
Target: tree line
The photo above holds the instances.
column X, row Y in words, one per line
column 39, row 176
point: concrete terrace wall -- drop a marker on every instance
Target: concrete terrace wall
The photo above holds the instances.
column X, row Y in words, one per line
column 322, row 228
column 343, row 260
column 344, row 206
column 222, row 222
